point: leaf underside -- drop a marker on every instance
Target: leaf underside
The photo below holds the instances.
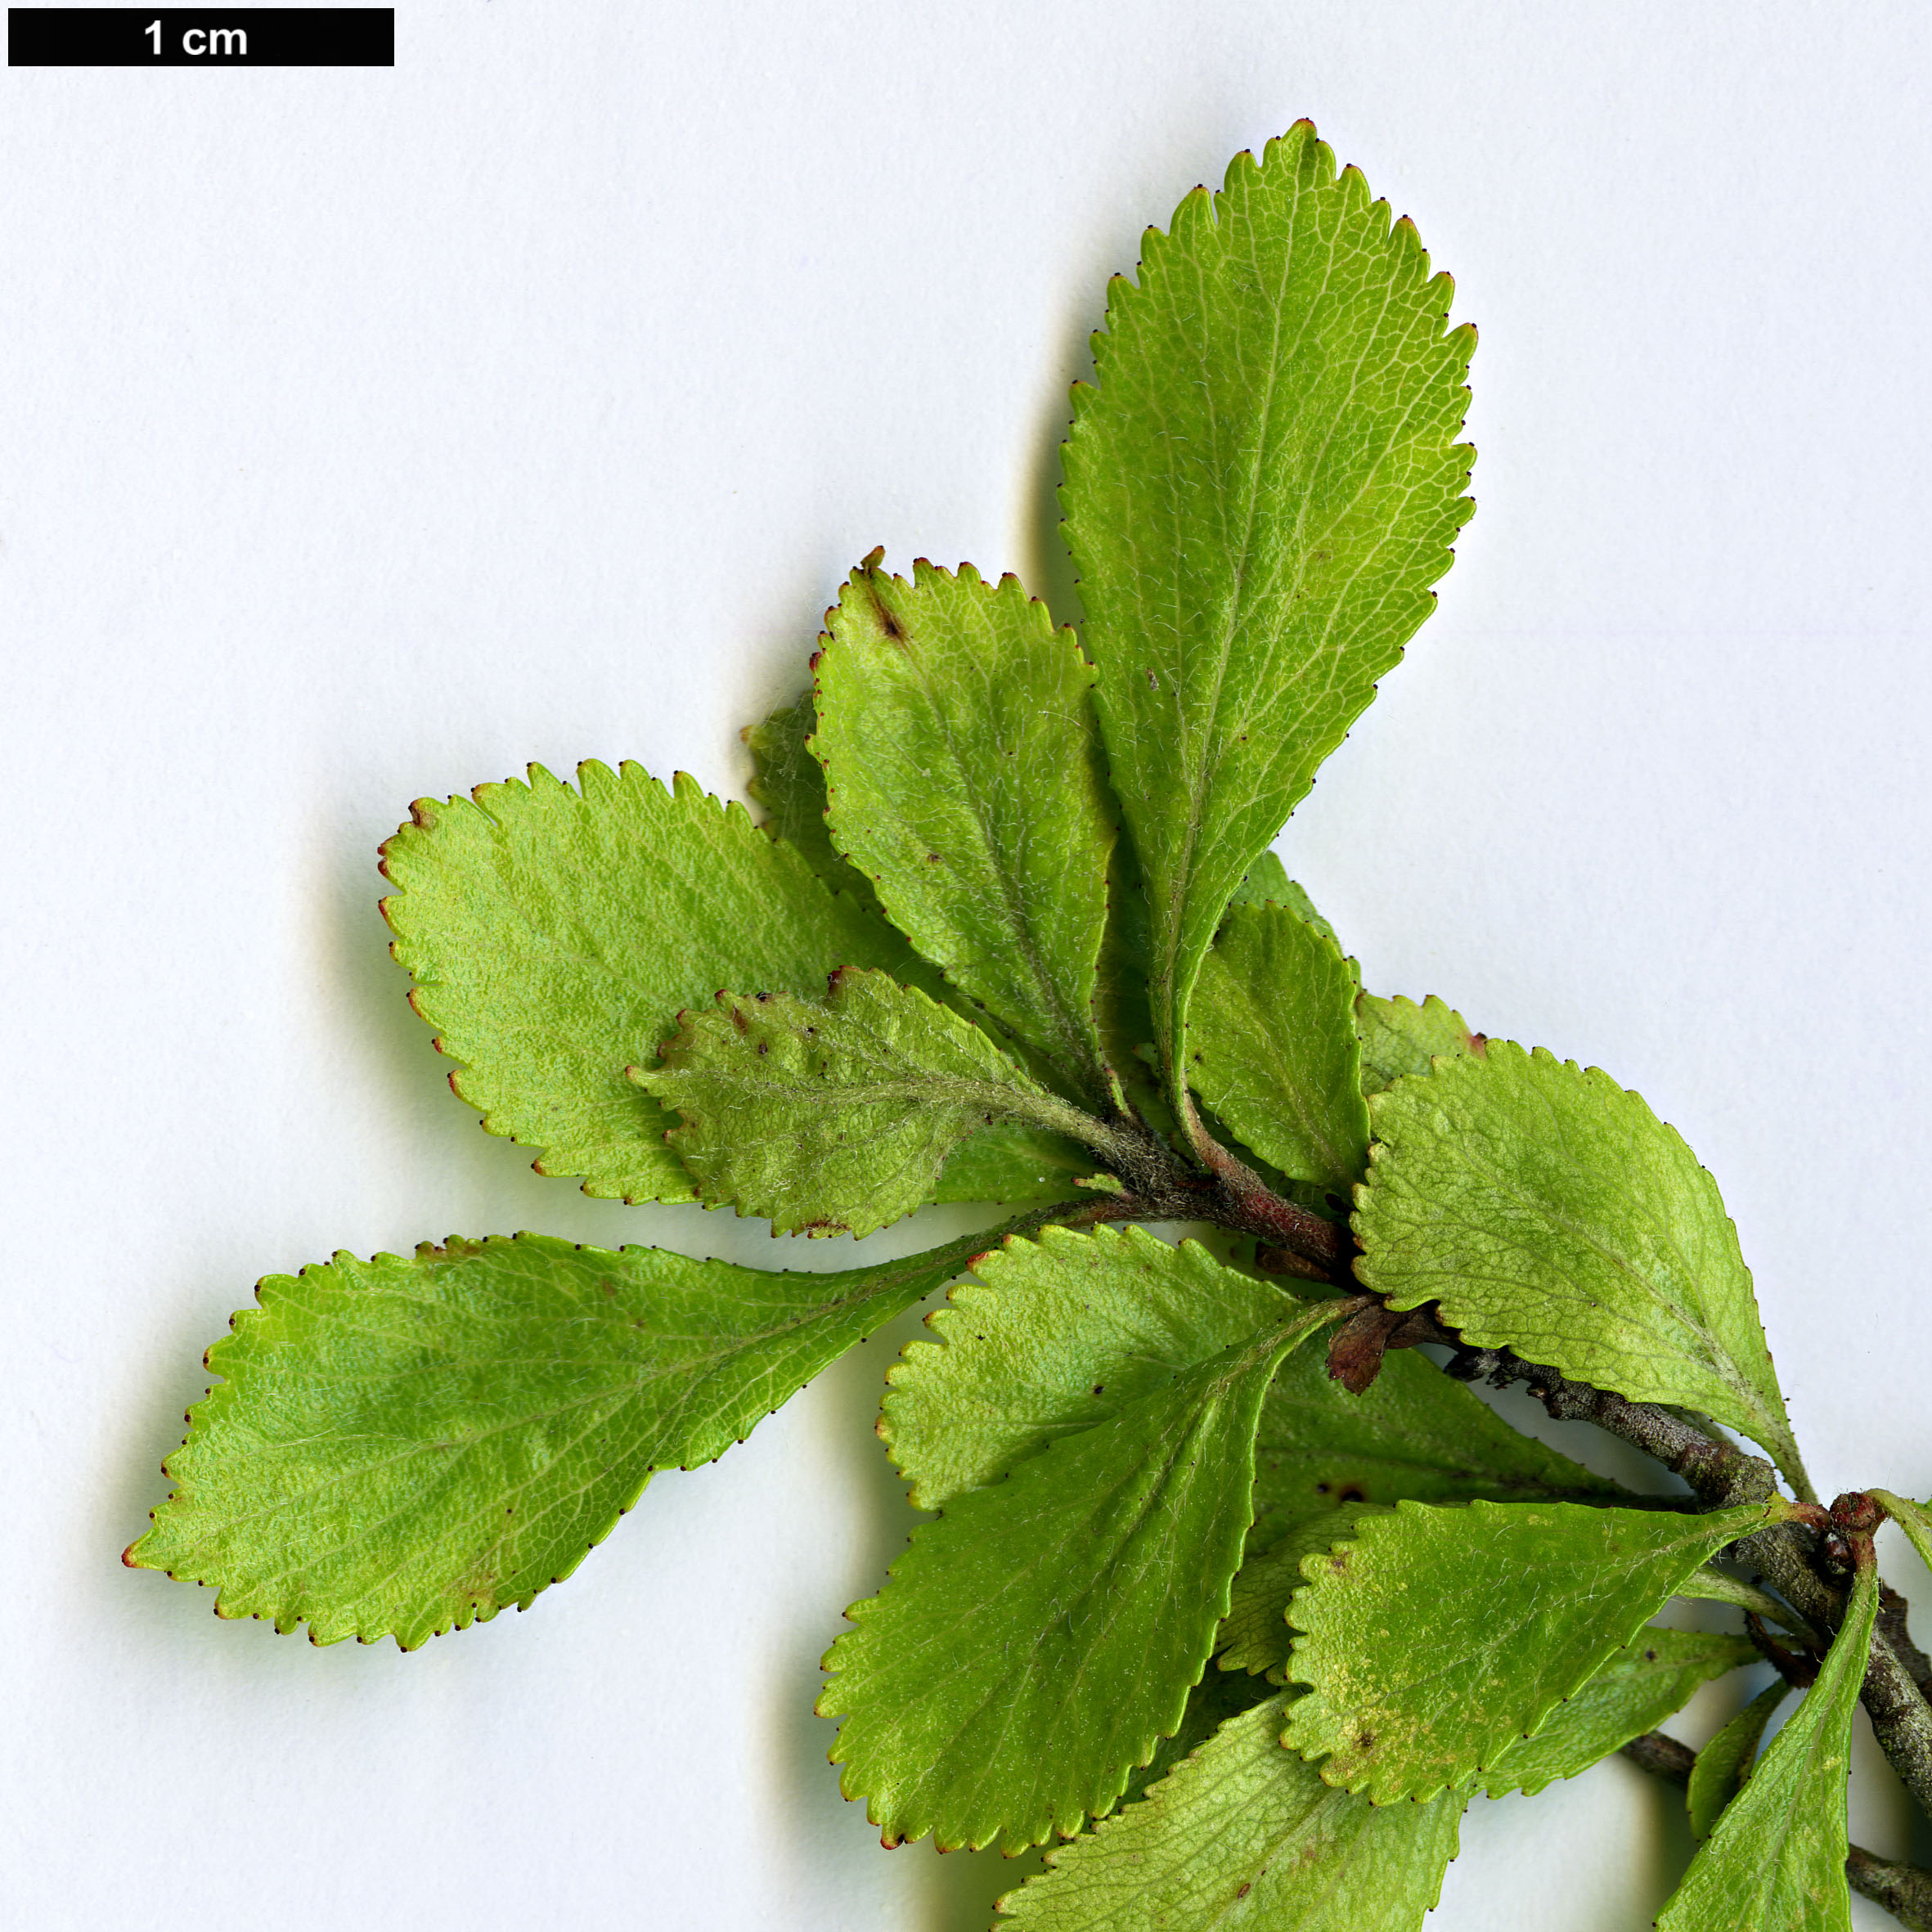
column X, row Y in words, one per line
column 833, row 1116
column 1440, row 1637
column 402, row 1446
column 1551, row 1212
column 1775, row 1861
column 1103, row 1562
column 1725, row 1762
column 1260, row 490
column 1397, row 1036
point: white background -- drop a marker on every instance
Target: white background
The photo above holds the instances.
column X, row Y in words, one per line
column 367, row 434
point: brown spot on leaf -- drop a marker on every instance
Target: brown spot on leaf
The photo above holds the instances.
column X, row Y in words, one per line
column 1366, row 1740
column 1351, row 1495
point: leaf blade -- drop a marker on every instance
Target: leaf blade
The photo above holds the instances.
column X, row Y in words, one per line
column 500, row 1402
column 1441, row 1635
column 533, row 919
column 1104, row 1561
column 1259, row 492
column 1723, row 1763
column 1272, row 1046
column 1551, row 1212
column 962, row 763
column 1243, row 1835
column 837, row 1117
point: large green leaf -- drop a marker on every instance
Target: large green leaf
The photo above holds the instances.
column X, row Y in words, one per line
column 1439, row 1636
column 1725, row 1763
column 1068, row 1331
column 555, row 934
column 1651, row 1678
column 1397, row 1037
column 404, row 1446
column 1776, row 1860
column 1551, row 1212
column 1259, row 491
column 834, row 1117
column 1243, row 1837
column 1416, row 1433
column 962, row 761
column 1037, row 1641
column 1272, row 1049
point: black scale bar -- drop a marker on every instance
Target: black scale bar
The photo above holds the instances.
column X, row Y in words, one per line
column 201, row 37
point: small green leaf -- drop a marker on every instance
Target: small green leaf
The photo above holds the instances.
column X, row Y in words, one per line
column 835, row 1118
column 1244, row 1836
column 404, row 1446
column 1416, row 1434
column 1218, row 1697
column 1440, row 1637
column 555, row 934
column 1101, row 1564
column 789, row 783
column 1271, row 1046
column 1551, row 1212
column 1259, row 491
column 1254, row 1635
column 1775, row 1861
column 963, row 767
column 1725, row 1763
column 1712, row 1585
column 1650, row 1679
column 1397, row 1037
column 1066, row 1331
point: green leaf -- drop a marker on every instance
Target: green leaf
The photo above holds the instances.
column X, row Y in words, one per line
column 1102, row 1563
column 1775, row 1861
column 1218, row 1697
column 1724, row 1764
column 1254, row 1635
column 834, row 1118
column 404, row 1446
column 1243, row 1835
column 1712, row 1585
column 1416, row 1434
column 1551, row 1212
column 956, row 727
column 555, row 934
column 1013, row 1163
column 1272, row 1046
column 1650, row 1679
column 1397, row 1037
column 1260, row 491
column 1441, row 1635
column 1068, row 1330
column 789, row 783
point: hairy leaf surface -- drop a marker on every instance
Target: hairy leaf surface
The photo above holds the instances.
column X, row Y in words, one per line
column 1397, row 1037
column 1066, row 1331
column 555, row 934
column 1272, row 1046
column 1416, row 1433
column 1246, row 1837
column 1036, row 1642
column 1775, row 1861
column 956, row 726
column 1653, row 1677
column 1551, row 1212
column 1259, row 491
column 1724, row 1764
column 834, row 1117
column 1439, row 1636
column 405, row 1445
